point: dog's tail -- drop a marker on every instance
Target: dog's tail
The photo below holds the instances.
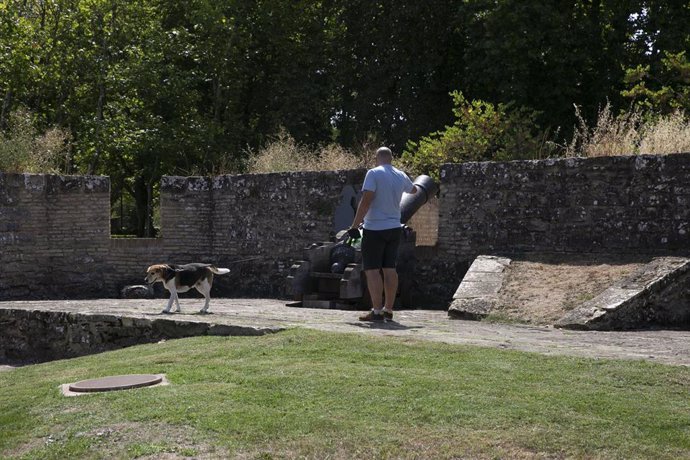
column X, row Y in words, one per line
column 219, row 271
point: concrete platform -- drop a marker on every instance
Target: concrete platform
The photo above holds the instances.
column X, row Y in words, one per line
column 259, row 316
column 113, row 383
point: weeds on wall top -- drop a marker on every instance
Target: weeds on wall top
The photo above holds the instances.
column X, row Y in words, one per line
column 284, row 154
column 633, row 132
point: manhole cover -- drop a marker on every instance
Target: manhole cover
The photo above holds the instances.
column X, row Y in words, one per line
column 116, row 382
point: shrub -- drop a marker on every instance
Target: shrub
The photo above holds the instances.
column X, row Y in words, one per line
column 482, row 131
column 24, row 149
column 283, row 153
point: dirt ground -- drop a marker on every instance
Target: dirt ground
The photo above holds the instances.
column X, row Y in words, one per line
column 543, row 289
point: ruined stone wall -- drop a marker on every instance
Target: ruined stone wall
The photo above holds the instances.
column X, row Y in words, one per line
column 54, row 233
column 608, row 204
column 28, row 336
column 255, row 224
column 55, row 230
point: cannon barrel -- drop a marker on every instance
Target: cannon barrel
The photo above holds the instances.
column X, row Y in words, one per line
column 410, row 204
column 316, row 283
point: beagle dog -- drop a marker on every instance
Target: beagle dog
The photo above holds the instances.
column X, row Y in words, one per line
column 182, row 278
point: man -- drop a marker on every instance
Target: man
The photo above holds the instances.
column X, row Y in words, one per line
column 379, row 209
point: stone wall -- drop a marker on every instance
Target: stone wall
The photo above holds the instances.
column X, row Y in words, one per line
column 255, row 224
column 28, row 336
column 55, row 235
column 625, row 204
column 55, row 231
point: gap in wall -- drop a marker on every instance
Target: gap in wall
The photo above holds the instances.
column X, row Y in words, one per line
column 126, row 220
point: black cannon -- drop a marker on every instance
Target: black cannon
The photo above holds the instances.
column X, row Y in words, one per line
column 319, row 281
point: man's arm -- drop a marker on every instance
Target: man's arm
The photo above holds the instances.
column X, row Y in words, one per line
column 363, row 208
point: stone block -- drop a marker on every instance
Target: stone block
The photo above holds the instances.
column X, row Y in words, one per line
column 471, row 309
column 477, row 288
column 493, row 277
column 489, row 264
column 477, row 294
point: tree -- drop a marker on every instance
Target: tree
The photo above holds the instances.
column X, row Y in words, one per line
column 394, row 63
column 548, row 55
column 665, row 91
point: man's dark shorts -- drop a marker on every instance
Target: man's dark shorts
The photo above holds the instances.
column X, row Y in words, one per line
column 380, row 248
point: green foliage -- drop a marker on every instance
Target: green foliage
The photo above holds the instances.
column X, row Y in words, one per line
column 664, row 92
column 482, row 132
column 24, row 149
column 547, row 55
column 292, row 394
column 153, row 87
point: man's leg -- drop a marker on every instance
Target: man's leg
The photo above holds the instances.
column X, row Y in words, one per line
column 390, row 285
column 375, row 286
column 390, row 273
column 372, row 256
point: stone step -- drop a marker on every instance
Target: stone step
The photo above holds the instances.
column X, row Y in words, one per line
column 477, row 294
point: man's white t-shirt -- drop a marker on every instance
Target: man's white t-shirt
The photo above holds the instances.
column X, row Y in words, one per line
column 388, row 184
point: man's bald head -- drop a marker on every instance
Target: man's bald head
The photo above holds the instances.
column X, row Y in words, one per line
column 384, row 156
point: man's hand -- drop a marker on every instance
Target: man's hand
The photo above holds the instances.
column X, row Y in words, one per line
column 354, row 233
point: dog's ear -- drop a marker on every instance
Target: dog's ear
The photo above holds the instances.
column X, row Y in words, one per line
column 168, row 272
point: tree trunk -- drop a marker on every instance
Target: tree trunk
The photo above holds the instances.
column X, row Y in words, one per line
column 141, row 201
column 217, row 99
column 101, row 97
column 5, row 113
column 149, row 230
column 99, row 116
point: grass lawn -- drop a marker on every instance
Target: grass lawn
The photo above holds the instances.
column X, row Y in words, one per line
column 310, row 394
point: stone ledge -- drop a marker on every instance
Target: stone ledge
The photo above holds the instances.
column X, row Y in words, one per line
column 42, row 335
column 478, row 292
column 656, row 294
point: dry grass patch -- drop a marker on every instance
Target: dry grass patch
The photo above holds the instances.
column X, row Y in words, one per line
column 121, row 440
column 24, row 149
column 284, row 154
column 542, row 290
column 630, row 133
column 669, row 134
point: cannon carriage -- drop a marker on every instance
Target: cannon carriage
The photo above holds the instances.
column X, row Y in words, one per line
column 314, row 282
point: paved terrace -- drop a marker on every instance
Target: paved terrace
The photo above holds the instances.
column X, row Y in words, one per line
column 663, row 346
